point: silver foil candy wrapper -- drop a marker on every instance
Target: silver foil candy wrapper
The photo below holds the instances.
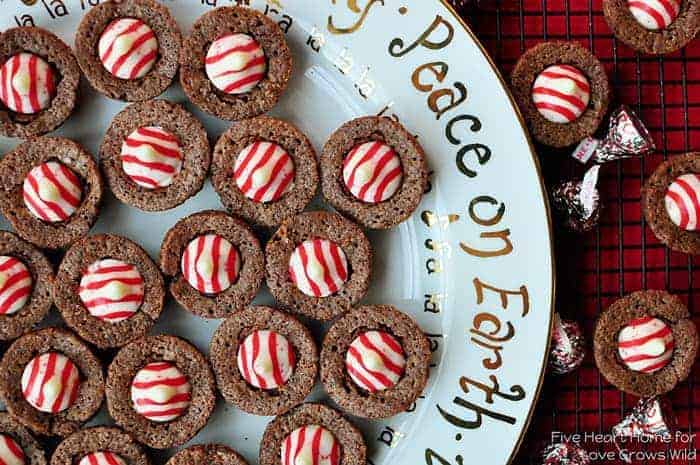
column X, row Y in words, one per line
column 568, row 347
column 576, row 204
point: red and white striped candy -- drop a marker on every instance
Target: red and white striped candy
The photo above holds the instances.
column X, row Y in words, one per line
column 372, row 172
column 683, row 202
column 235, row 63
column 111, row 290
column 210, row 264
column 50, row 382
column 27, row 83
column 318, row 267
column 52, row 192
column 654, row 14
column 10, row 452
column 264, row 171
column 310, row 445
column 15, row 285
column 128, row 48
column 101, row 457
column 561, row 93
column 266, row 359
column 151, row 157
column 645, row 344
column 375, row 361
column 160, row 392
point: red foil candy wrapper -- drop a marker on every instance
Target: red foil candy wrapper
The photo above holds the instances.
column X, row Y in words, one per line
column 568, row 347
column 577, row 203
column 627, row 137
column 652, row 417
column 565, row 453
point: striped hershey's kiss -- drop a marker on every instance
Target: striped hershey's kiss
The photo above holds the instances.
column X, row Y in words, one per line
column 263, row 171
column 682, row 201
column 10, row 452
column 310, row 445
column 101, row 457
column 52, row 192
column 372, row 172
column 27, row 83
column 235, row 63
column 561, row 93
column 111, row 290
column 151, row 157
column 375, row 361
column 15, row 285
column 210, row 263
column 50, row 382
column 160, row 392
column 318, row 267
column 654, row 15
column 266, row 359
column 128, row 48
column 645, row 344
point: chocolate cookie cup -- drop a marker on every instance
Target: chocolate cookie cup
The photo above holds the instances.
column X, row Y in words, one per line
column 663, row 37
column 77, row 395
column 388, row 158
column 25, row 295
column 193, row 285
column 347, row 441
column 13, row 431
column 178, row 414
column 399, row 373
column 136, row 72
column 267, row 37
column 318, row 245
column 265, row 170
column 90, row 445
column 155, row 155
column 283, row 377
column 45, row 102
column 576, row 58
column 654, row 203
column 631, row 324
column 76, row 193
column 108, row 290
column 211, row 454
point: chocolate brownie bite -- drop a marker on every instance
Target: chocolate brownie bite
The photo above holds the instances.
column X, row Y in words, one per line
column 26, row 279
column 20, row 447
column 51, row 382
column 155, row 155
column 671, row 203
column 39, row 82
column 651, row 26
column 160, row 389
column 101, row 445
column 210, row 454
column 264, row 170
column 265, row 361
column 310, row 433
column 645, row 343
column 562, row 91
column 108, row 290
column 235, row 63
column 129, row 49
column 374, row 361
column 50, row 191
column 214, row 262
column 318, row 264
column 374, row 172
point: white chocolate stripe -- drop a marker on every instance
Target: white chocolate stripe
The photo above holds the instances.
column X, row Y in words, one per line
column 50, row 382
column 310, row 445
column 561, row 93
column 10, row 452
column 654, row 14
column 128, row 48
column 318, row 267
column 646, row 345
column 15, row 285
column 27, row 83
column 375, row 361
column 372, row 172
column 111, row 290
column 52, row 192
column 235, row 63
column 160, row 392
column 682, row 202
column 151, row 157
column 210, row 264
column 263, row 171
column 266, row 359
column 102, row 458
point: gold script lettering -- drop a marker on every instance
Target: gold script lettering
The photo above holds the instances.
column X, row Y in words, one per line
column 352, row 6
column 480, row 287
column 396, row 45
